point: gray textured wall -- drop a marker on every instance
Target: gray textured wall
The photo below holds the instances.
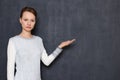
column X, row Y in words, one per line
column 94, row 23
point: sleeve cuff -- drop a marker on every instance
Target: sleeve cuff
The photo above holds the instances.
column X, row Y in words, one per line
column 57, row 51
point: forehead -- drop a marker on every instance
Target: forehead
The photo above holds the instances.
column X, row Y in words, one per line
column 28, row 14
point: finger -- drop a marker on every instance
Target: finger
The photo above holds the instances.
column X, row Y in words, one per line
column 73, row 40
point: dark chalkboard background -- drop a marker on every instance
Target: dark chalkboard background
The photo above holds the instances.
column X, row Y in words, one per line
column 94, row 23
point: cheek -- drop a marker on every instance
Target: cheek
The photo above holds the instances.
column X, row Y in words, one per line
column 22, row 23
column 33, row 23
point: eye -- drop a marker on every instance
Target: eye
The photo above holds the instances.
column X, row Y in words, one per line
column 25, row 19
column 32, row 20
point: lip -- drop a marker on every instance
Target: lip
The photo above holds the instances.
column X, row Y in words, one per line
column 28, row 27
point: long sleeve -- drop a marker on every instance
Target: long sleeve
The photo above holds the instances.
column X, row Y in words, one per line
column 11, row 52
column 48, row 59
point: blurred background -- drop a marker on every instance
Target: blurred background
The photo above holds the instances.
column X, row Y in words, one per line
column 95, row 24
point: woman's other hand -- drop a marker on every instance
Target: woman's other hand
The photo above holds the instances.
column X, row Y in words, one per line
column 66, row 43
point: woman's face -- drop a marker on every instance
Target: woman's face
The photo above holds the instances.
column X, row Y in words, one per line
column 27, row 21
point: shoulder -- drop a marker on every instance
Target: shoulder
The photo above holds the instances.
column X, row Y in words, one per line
column 13, row 38
column 38, row 37
column 18, row 38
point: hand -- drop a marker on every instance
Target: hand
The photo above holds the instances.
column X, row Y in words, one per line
column 66, row 43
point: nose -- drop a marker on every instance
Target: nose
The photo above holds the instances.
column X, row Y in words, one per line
column 29, row 23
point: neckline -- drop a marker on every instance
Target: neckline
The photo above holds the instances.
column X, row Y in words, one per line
column 26, row 38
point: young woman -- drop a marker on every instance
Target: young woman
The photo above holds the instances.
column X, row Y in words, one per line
column 26, row 50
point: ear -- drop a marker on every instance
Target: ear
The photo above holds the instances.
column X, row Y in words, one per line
column 20, row 20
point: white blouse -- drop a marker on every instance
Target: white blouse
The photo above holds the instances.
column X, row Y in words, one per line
column 26, row 54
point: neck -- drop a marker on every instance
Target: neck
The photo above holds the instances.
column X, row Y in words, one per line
column 26, row 34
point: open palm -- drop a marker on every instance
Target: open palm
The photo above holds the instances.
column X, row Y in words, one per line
column 66, row 43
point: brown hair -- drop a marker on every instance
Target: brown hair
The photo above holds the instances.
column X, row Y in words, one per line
column 29, row 9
